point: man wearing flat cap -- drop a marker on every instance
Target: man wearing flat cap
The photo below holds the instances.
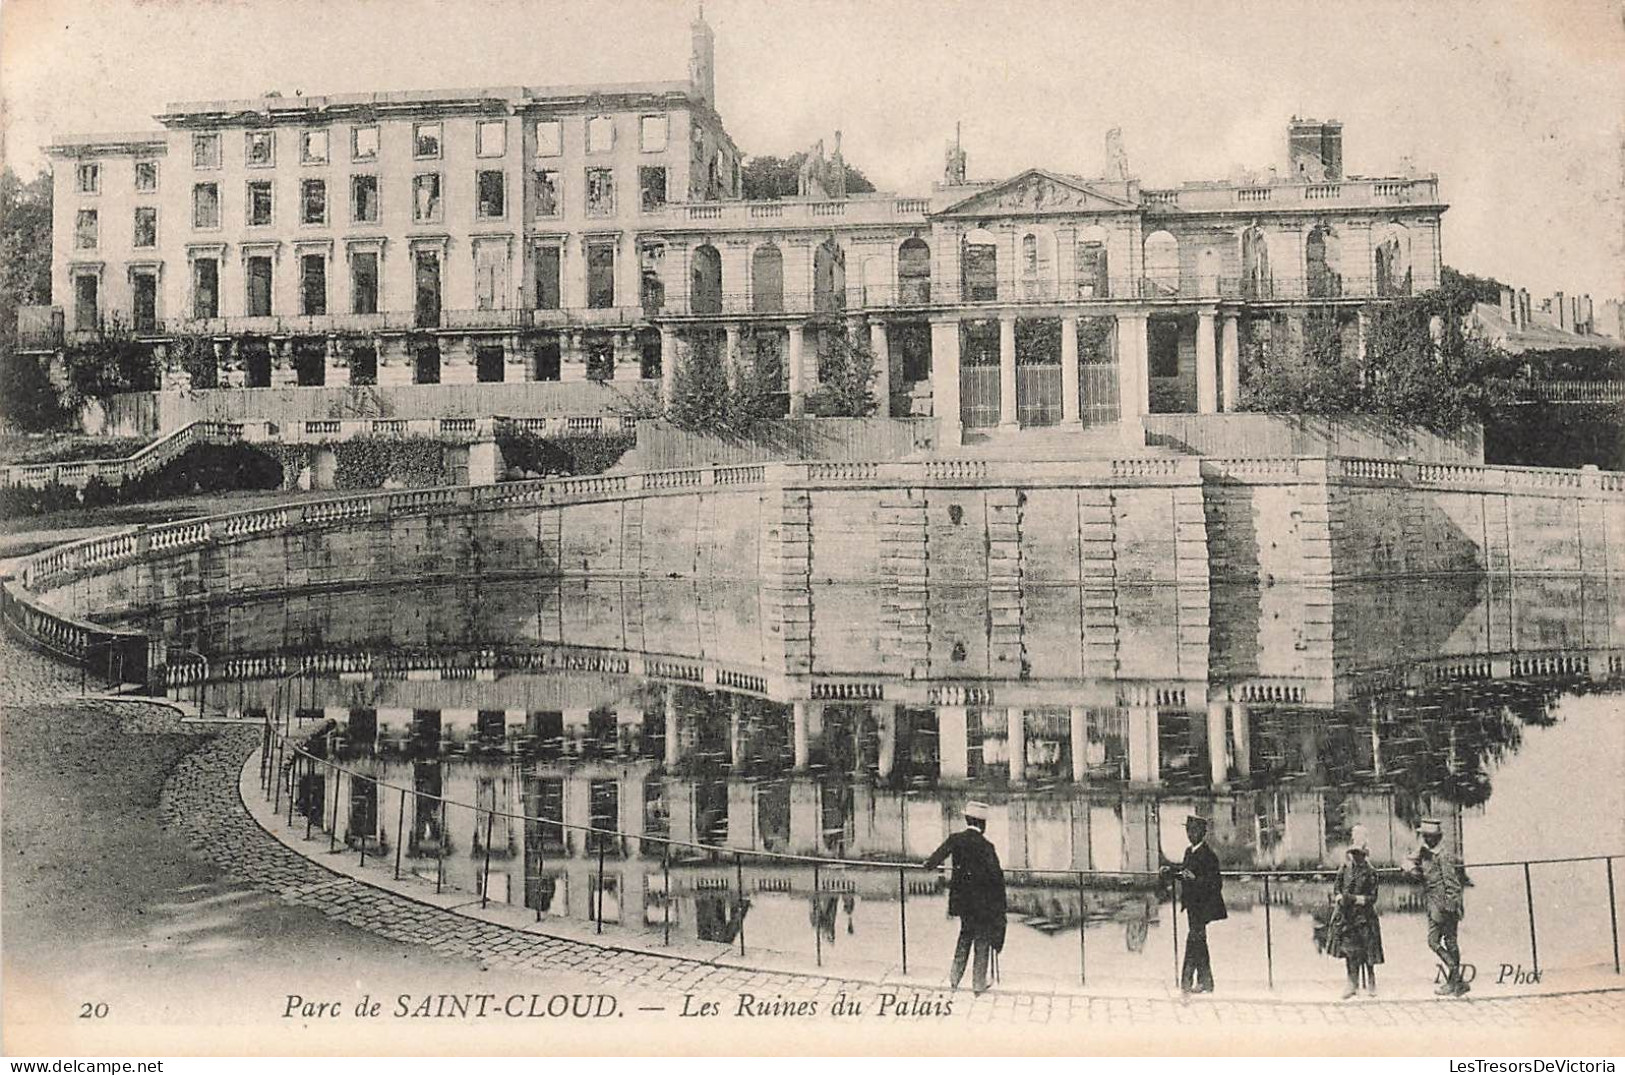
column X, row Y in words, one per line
column 1201, row 891
column 975, row 894
column 1440, row 874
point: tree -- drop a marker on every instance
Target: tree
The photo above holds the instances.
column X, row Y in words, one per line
column 699, row 399
column 846, row 377
column 27, row 399
column 768, row 178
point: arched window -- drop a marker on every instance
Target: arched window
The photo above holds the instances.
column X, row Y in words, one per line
column 1391, row 251
column 705, row 275
column 1256, row 281
column 875, row 281
column 829, row 277
column 1208, row 270
column 1090, row 265
column 979, row 264
column 767, row 280
column 1323, row 263
column 914, row 271
column 1161, row 264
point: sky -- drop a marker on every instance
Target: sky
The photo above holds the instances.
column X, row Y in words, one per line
column 1518, row 106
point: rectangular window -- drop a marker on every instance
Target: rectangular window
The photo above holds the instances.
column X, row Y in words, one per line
column 364, row 199
column 364, row 143
column 600, row 134
column 490, row 275
column 205, row 288
column 490, row 138
column 313, row 201
column 313, row 284
column 87, row 312
column 259, row 286
column 549, row 138
column 548, row 263
column 426, row 141
column 652, row 188
column 493, row 203
column 90, row 178
column 604, row 813
column 549, row 194
column 364, row 365
column 653, row 134
column 364, row 283
column 600, row 192
column 146, row 226
column 85, row 230
column 146, row 177
column 313, row 147
column 205, row 151
column 260, row 149
column 426, row 198
column 601, row 275
column 427, row 307
column 206, row 205
column 260, row 203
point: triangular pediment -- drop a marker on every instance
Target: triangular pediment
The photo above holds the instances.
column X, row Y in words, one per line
column 1038, row 191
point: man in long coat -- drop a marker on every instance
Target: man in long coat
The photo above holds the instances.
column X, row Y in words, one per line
column 1201, row 891
column 1440, row 874
column 975, row 894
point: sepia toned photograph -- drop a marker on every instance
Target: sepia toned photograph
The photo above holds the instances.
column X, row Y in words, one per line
column 650, row 527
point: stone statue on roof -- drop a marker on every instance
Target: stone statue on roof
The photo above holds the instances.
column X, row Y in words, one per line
column 1116, row 155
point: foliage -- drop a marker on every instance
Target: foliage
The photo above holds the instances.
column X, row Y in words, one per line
column 525, row 453
column 202, row 468
column 67, row 448
column 27, row 398
column 1557, row 435
column 700, row 392
column 1406, row 375
column 195, row 357
column 768, row 178
column 371, row 462
column 846, row 377
column 107, row 364
column 1469, row 289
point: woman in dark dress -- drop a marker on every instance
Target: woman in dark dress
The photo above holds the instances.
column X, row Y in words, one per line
column 1355, row 933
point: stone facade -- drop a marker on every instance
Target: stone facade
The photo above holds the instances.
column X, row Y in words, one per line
column 598, row 233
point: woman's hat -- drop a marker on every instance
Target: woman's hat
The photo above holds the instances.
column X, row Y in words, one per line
column 976, row 810
column 1358, row 840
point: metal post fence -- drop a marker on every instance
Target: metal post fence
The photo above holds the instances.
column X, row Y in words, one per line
column 739, row 879
column 1613, row 914
column 902, row 912
column 1529, row 901
column 440, row 852
column 818, row 928
column 1269, row 934
column 1179, row 977
column 665, row 873
column 362, row 839
column 338, row 784
column 485, row 878
column 1083, row 931
column 598, row 908
column 307, row 780
column 276, row 799
column 541, row 870
column 400, row 830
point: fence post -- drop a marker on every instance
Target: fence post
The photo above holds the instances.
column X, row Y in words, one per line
column 665, row 871
column 400, row 827
column 902, row 912
column 440, row 851
column 1178, row 972
column 1529, row 901
column 485, row 879
column 363, row 838
column 1269, row 934
column 1613, row 914
column 309, row 766
column 818, row 923
column 338, row 784
column 739, row 880
column 1083, row 929
column 599, row 902
column 276, row 775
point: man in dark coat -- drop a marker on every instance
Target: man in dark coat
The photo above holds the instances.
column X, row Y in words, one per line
column 975, row 894
column 1440, row 874
column 1201, row 891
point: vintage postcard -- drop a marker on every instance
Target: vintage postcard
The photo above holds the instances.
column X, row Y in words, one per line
column 555, row 527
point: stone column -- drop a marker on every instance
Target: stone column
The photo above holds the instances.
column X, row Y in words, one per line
column 1016, row 732
column 1218, row 755
column 732, row 362
column 572, row 355
column 880, row 346
column 668, row 363
column 798, row 391
column 945, row 381
column 1207, row 385
column 952, row 742
column 1230, row 361
column 283, row 375
column 1078, row 733
column 1133, row 378
column 516, row 361
column 1007, row 372
column 336, row 363
column 628, row 364
column 798, row 723
column 1069, row 370
column 672, row 744
column 1144, row 763
column 227, row 367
